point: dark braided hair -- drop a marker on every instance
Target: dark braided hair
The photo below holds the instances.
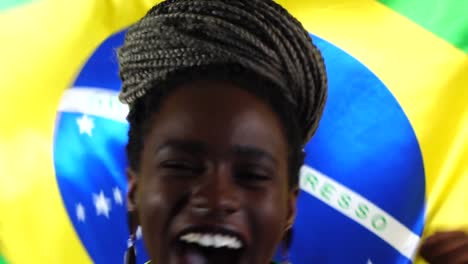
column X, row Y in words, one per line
column 255, row 44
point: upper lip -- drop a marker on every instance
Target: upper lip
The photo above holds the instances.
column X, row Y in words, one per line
column 213, row 229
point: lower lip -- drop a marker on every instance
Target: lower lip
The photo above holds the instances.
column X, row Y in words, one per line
column 195, row 255
column 192, row 257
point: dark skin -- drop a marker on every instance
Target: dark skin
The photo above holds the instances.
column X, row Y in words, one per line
column 448, row 247
column 215, row 160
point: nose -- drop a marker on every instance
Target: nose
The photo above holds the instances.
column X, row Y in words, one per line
column 216, row 194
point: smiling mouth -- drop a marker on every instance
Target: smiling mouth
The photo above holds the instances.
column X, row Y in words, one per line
column 209, row 247
column 212, row 240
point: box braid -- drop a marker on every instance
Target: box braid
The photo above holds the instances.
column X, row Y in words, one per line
column 254, row 43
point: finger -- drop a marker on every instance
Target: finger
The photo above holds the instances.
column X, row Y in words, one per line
column 442, row 236
column 442, row 243
column 446, row 250
column 457, row 255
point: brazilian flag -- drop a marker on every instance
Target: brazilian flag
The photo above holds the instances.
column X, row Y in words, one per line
column 386, row 168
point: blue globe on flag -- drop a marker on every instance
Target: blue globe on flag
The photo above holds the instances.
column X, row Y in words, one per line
column 363, row 184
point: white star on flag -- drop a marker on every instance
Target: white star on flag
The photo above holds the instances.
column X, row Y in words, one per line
column 102, row 204
column 369, row 261
column 118, row 196
column 80, row 212
column 86, row 125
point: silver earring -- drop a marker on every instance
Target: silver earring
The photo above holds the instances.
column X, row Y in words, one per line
column 287, row 240
column 285, row 258
column 130, row 253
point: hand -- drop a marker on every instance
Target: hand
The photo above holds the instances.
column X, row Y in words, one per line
column 446, row 248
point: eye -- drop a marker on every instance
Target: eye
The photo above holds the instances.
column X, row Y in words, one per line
column 252, row 175
column 182, row 166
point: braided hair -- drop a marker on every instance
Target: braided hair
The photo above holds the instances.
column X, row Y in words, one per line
column 254, row 43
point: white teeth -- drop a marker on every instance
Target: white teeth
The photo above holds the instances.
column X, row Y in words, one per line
column 218, row 241
column 206, row 240
column 212, row 240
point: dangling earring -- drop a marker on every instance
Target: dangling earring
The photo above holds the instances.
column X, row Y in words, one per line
column 285, row 260
column 130, row 253
column 287, row 240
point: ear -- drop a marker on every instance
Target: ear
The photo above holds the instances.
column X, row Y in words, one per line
column 292, row 207
column 132, row 181
column 132, row 206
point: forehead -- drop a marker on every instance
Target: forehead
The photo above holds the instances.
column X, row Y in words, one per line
column 219, row 114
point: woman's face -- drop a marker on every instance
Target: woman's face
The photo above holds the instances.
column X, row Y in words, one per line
column 212, row 185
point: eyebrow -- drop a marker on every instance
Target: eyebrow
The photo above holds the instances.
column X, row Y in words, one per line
column 198, row 148
column 253, row 152
column 188, row 146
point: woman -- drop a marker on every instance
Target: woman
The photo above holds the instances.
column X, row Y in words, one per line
column 223, row 97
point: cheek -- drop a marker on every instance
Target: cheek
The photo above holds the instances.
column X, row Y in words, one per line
column 268, row 218
column 151, row 202
column 153, row 206
column 159, row 200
